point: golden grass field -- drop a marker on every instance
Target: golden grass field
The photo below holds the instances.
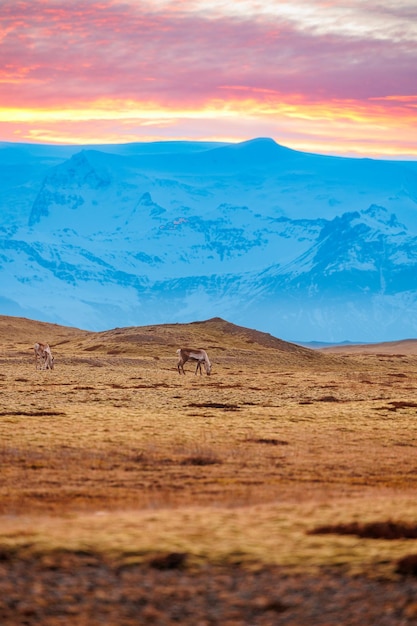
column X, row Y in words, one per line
column 114, row 453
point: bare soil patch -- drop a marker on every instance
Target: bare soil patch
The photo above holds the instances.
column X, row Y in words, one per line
column 371, row 530
column 84, row 590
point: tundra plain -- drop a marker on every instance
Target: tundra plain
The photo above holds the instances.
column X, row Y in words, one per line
column 289, row 463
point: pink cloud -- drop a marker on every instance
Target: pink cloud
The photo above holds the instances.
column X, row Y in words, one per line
column 87, row 50
column 65, row 53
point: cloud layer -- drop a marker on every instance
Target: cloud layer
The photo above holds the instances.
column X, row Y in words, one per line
column 328, row 76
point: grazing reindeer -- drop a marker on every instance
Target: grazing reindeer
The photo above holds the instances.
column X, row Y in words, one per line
column 43, row 356
column 193, row 354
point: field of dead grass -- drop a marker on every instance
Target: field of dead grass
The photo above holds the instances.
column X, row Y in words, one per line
column 113, row 453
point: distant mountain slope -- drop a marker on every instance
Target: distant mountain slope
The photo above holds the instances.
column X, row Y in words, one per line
column 405, row 346
column 303, row 246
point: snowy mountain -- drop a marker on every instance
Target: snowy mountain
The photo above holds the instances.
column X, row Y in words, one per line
column 306, row 247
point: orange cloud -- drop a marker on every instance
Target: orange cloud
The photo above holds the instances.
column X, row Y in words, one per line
column 114, row 71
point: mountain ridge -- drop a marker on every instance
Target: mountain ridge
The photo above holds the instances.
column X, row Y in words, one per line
column 299, row 245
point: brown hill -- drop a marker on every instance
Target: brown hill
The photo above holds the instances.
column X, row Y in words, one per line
column 216, row 335
column 18, row 334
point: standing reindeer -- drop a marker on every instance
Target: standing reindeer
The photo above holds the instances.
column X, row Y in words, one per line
column 43, row 356
column 193, row 354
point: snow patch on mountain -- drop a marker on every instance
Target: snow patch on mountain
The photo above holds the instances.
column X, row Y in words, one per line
column 303, row 246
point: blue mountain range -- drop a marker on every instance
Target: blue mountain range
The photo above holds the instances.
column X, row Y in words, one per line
column 303, row 246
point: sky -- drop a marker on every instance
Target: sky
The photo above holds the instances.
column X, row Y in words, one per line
column 324, row 76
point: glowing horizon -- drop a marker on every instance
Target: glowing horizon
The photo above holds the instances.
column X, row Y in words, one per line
column 328, row 77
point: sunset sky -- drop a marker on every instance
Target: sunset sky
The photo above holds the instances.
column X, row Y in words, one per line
column 328, row 76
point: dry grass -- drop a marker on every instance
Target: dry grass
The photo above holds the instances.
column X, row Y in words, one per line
column 114, row 452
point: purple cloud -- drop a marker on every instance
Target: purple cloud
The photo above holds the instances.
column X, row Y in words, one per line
column 188, row 55
column 90, row 50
